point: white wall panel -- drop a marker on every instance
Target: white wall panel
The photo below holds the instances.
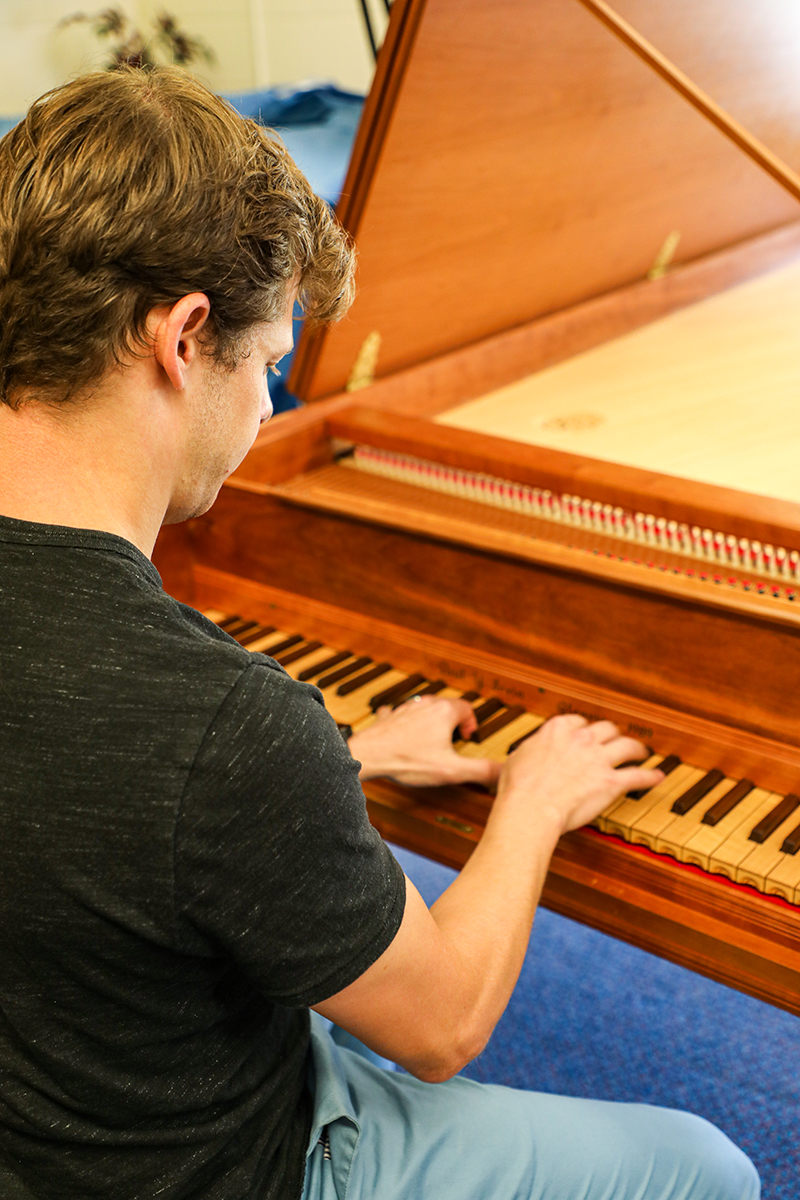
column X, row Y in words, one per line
column 256, row 42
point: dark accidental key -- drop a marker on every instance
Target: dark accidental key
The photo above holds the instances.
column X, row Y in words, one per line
column 791, row 843
column 495, row 724
column 254, row 634
column 353, row 685
column 284, row 644
column 667, row 766
column 349, row 669
column 697, row 791
column 431, row 689
column 236, row 631
column 226, row 622
column 327, row 664
column 299, row 652
column 728, row 802
column 772, row 820
column 488, row 709
column 522, row 739
column 397, row 692
column 470, row 697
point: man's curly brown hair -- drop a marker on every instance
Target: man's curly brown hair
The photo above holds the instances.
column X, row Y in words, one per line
column 124, row 191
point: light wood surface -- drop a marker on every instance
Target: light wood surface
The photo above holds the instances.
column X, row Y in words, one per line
column 710, row 393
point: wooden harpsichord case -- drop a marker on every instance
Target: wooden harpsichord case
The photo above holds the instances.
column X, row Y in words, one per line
column 550, row 458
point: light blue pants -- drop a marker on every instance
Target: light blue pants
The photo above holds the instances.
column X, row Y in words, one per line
column 381, row 1135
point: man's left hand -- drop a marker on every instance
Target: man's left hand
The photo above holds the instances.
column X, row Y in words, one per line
column 414, row 745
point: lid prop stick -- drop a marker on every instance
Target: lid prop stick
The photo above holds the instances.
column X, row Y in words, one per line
column 751, row 146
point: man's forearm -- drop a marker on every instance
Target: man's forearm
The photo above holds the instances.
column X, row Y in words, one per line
column 487, row 912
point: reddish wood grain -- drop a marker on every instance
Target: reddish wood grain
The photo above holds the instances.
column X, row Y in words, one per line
column 686, row 87
column 725, row 664
column 700, row 741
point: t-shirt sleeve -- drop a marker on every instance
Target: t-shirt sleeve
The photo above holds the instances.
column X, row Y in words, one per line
column 276, row 863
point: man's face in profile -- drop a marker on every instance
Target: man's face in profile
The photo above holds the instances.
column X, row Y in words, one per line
column 227, row 411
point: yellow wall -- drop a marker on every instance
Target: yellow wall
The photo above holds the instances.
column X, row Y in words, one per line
column 318, row 39
column 257, row 43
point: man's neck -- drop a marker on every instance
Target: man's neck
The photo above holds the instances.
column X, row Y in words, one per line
column 84, row 468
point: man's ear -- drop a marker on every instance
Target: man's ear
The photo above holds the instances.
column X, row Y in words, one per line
column 175, row 342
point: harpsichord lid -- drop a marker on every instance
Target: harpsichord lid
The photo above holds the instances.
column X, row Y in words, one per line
column 515, row 159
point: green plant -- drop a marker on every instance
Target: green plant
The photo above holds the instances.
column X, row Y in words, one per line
column 130, row 47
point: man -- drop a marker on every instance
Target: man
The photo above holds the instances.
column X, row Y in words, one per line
column 186, row 866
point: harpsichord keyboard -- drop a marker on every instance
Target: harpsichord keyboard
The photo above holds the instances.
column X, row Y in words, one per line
column 725, row 826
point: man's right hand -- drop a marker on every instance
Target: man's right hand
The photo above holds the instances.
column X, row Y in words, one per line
column 571, row 769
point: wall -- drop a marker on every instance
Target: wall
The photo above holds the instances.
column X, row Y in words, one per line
column 256, row 42
column 318, row 39
column 33, row 57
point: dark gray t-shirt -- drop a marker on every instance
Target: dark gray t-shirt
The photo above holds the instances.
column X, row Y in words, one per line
column 185, row 865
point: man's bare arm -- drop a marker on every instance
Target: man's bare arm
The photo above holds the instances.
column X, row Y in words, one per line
column 431, row 1001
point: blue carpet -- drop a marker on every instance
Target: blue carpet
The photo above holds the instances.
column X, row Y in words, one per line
column 592, row 1016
